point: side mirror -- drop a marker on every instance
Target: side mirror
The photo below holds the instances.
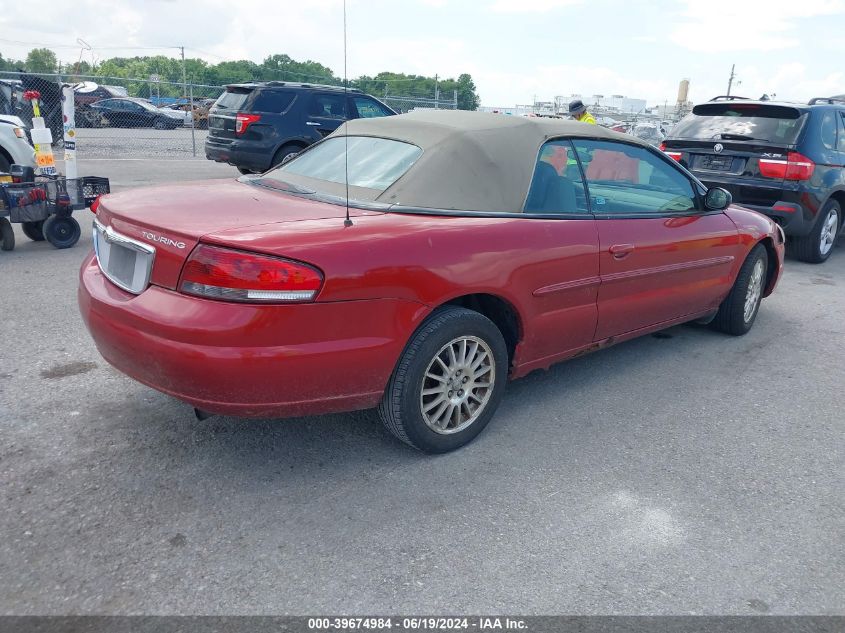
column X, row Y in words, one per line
column 717, row 199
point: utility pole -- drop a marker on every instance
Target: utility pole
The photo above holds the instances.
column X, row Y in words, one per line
column 184, row 76
column 190, row 101
column 731, row 80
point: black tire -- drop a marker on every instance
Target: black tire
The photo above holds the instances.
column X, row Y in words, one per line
column 7, row 235
column 811, row 247
column 245, row 171
column 732, row 317
column 34, row 230
column 61, row 232
column 160, row 124
column 283, row 152
column 401, row 407
column 5, row 163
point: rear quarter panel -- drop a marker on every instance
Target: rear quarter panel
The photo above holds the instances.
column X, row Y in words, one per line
column 546, row 269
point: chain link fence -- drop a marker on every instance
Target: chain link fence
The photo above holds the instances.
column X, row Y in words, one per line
column 118, row 117
column 405, row 103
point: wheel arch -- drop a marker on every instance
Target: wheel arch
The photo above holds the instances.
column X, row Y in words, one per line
column 771, row 271
column 839, row 197
column 6, row 155
column 294, row 142
column 500, row 311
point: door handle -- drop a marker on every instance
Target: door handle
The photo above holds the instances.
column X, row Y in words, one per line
column 311, row 123
column 621, row 250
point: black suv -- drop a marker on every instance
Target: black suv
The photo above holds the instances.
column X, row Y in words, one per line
column 255, row 126
column 782, row 159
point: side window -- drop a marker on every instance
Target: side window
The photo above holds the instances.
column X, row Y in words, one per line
column 368, row 108
column 841, row 144
column 828, row 129
column 557, row 185
column 328, row 106
column 276, row 101
column 624, row 178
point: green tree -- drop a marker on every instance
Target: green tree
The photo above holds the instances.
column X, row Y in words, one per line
column 468, row 99
column 41, row 60
column 235, row 72
column 79, row 67
column 10, row 64
column 283, row 68
column 134, row 73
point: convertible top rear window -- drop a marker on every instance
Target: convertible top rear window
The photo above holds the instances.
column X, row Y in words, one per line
column 372, row 163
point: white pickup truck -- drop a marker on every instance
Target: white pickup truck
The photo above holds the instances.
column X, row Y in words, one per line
column 15, row 147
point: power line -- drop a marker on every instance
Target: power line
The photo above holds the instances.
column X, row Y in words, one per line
column 75, row 46
column 39, row 44
column 196, row 50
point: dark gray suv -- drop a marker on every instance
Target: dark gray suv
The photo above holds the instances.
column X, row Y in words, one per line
column 786, row 160
column 255, row 126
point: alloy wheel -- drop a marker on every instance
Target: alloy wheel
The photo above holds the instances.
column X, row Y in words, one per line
column 828, row 233
column 755, row 289
column 457, row 385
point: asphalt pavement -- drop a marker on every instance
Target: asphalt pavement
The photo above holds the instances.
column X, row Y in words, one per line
column 685, row 472
column 113, row 142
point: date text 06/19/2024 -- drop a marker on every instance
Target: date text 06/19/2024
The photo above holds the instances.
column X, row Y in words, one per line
column 416, row 623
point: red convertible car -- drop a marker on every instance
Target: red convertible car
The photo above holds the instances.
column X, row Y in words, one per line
column 477, row 248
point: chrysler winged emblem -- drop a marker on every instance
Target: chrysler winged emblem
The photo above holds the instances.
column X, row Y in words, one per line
column 718, row 147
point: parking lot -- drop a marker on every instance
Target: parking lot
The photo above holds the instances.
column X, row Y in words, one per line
column 148, row 143
column 684, row 472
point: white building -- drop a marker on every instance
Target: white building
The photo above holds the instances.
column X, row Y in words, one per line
column 613, row 103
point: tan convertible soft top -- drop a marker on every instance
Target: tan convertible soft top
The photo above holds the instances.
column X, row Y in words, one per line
column 471, row 161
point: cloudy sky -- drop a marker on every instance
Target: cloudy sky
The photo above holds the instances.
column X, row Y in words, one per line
column 514, row 49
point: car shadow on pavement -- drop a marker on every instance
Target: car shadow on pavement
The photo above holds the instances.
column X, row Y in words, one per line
column 344, row 445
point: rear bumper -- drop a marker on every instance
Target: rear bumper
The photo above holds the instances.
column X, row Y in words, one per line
column 248, row 360
column 793, row 218
column 246, row 154
column 791, row 206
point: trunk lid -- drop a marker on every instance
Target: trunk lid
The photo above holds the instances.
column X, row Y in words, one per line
column 173, row 218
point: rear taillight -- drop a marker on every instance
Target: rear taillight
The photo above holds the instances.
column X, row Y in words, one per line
column 673, row 155
column 230, row 275
column 795, row 167
column 95, row 205
column 243, row 121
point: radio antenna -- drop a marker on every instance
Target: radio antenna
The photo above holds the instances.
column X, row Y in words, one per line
column 347, row 221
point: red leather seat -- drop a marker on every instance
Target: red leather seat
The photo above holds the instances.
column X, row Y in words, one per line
column 610, row 165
